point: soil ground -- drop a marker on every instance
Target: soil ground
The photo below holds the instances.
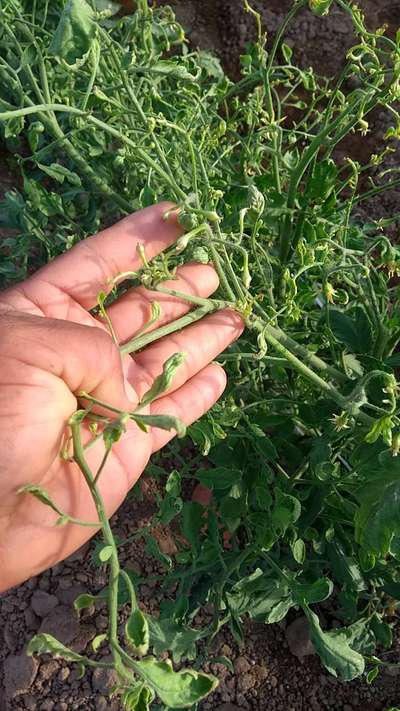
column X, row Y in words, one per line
column 274, row 671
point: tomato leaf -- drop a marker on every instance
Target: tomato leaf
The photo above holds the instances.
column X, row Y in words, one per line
column 137, row 632
column 75, row 32
column 176, row 689
column 334, row 650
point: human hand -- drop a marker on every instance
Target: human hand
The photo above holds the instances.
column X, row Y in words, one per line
column 51, row 348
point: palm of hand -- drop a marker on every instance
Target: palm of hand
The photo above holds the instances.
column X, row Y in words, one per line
column 49, row 351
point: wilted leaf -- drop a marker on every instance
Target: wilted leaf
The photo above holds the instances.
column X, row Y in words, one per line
column 75, row 32
column 137, row 698
column 382, row 631
column 345, row 568
column 225, row 661
column 169, row 635
column 152, row 547
column 313, row 592
column 334, row 650
column 210, row 64
column 60, row 173
column 41, row 494
column 98, row 641
column 47, row 644
column 176, row 689
column 163, row 381
column 163, row 422
column 320, row 7
column 137, row 632
column 257, row 595
column 105, row 553
column 84, row 600
column 280, row 611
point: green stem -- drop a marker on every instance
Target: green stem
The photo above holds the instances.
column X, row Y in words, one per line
column 131, row 589
column 79, row 522
column 235, row 281
column 218, row 266
column 79, row 457
column 185, row 134
column 144, row 119
column 193, row 299
column 96, row 60
column 311, row 376
column 102, row 465
column 307, row 357
column 375, row 191
column 81, row 162
column 267, row 85
column 139, row 342
column 312, row 150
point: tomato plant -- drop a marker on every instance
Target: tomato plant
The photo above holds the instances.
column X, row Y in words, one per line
column 107, row 114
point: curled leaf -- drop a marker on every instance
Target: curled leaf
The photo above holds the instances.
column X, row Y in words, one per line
column 335, row 652
column 320, row 7
column 163, row 422
column 164, row 380
column 176, row 689
column 137, row 632
column 98, row 641
column 83, row 601
column 47, row 644
column 60, row 173
column 41, row 494
column 105, row 553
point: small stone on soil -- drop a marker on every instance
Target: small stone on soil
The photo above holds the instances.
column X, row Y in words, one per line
column 241, row 665
column 62, row 623
column 103, row 680
column 19, row 674
column 298, row 638
column 42, row 603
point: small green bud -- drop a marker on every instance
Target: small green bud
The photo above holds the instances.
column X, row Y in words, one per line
column 187, row 220
column 182, row 243
column 37, row 126
column 221, row 130
column 200, row 254
column 118, row 162
column 34, row 131
column 364, row 126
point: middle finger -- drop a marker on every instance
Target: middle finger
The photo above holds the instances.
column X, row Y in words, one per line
column 200, row 342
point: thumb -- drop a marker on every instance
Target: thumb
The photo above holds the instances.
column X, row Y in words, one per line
column 85, row 358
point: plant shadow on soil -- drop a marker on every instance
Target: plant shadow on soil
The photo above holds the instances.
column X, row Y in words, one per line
column 268, row 677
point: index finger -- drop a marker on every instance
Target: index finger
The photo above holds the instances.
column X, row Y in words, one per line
column 89, row 266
